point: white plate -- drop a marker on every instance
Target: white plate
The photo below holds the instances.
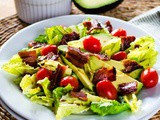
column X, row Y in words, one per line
column 16, row 101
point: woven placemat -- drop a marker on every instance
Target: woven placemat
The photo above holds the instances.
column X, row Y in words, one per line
column 126, row 11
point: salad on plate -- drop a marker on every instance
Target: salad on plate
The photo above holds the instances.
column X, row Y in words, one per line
column 85, row 67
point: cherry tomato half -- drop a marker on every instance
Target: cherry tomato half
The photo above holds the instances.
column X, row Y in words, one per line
column 42, row 73
column 70, row 80
column 106, row 89
column 149, row 77
column 49, row 48
column 119, row 56
column 119, row 32
column 92, row 44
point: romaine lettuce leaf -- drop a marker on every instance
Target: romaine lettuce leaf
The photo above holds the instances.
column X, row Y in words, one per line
column 145, row 54
column 57, row 94
column 17, row 67
column 41, row 39
column 66, row 109
column 45, row 85
column 133, row 102
column 28, row 85
column 43, row 100
column 109, row 108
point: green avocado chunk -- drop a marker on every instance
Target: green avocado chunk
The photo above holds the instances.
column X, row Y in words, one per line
column 119, row 65
column 80, row 74
column 96, row 64
column 96, row 6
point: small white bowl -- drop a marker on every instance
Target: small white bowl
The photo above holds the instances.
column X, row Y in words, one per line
column 31, row 11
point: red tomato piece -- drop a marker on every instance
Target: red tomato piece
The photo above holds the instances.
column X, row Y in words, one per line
column 42, row 73
column 119, row 56
column 119, row 32
column 92, row 44
column 149, row 77
column 106, row 89
column 70, row 80
column 49, row 48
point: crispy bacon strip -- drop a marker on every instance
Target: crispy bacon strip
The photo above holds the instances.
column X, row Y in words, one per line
column 127, row 88
column 49, row 56
column 92, row 25
column 80, row 95
column 29, row 57
column 76, row 57
column 130, row 65
column 109, row 26
column 126, row 41
column 69, row 37
column 36, row 44
column 104, row 73
column 100, row 56
column 56, row 77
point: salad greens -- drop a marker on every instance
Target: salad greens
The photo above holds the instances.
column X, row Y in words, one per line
column 69, row 77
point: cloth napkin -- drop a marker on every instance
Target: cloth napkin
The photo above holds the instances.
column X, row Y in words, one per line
column 149, row 22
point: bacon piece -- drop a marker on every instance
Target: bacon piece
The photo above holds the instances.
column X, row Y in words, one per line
column 104, row 73
column 130, row 65
column 80, row 95
column 109, row 26
column 29, row 57
column 49, row 56
column 56, row 77
column 87, row 24
column 127, row 88
column 100, row 56
column 92, row 25
column 36, row 44
column 126, row 41
column 76, row 57
column 69, row 37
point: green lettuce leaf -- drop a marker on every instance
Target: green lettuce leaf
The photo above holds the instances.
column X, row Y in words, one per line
column 133, row 102
column 28, row 85
column 145, row 54
column 43, row 100
column 45, row 85
column 109, row 108
column 57, row 94
column 55, row 34
column 17, row 67
column 66, row 109
column 41, row 39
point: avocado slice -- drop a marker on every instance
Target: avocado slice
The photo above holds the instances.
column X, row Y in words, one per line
column 119, row 65
column 80, row 73
column 96, row 64
column 96, row 6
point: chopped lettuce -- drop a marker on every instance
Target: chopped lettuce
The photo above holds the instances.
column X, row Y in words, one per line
column 145, row 54
column 17, row 81
column 28, row 85
column 45, row 85
column 109, row 108
column 43, row 100
column 55, row 34
column 66, row 109
column 133, row 102
column 57, row 94
column 17, row 67
column 41, row 39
